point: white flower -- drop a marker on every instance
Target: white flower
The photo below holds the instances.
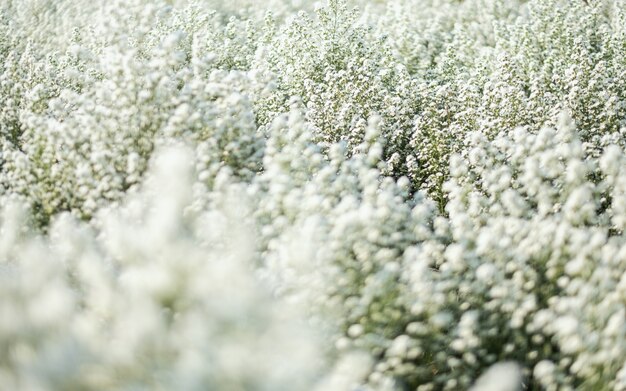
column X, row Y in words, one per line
column 505, row 376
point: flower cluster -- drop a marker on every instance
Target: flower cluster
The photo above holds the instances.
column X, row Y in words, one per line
column 354, row 195
column 153, row 298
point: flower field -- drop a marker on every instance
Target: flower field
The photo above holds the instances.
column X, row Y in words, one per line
column 281, row 195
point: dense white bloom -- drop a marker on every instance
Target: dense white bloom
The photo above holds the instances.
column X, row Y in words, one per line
column 342, row 195
column 147, row 302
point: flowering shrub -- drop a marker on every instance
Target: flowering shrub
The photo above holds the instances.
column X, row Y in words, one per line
column 152, row 299
column 349, row 195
